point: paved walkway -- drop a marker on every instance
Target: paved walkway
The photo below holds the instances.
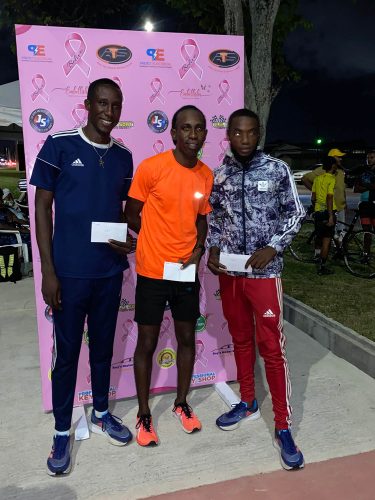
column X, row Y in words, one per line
column 334, row 410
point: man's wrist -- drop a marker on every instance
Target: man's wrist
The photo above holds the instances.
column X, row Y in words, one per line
column 200, row 247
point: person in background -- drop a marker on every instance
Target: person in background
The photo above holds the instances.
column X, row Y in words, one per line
column 322, row 199
column 366, row 186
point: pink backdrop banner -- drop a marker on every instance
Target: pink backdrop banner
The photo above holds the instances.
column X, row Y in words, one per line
column 158, row 73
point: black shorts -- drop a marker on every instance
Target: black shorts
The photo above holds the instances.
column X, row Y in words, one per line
column 321, row 220
column 152, row 296
column 367, row 210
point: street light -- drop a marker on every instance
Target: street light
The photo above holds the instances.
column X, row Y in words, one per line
column 149, row 26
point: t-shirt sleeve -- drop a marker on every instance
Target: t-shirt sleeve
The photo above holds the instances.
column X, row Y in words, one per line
column 205, row 207
column 143, row 181
column 128, row 177
column 47, row 166
column 313, row 189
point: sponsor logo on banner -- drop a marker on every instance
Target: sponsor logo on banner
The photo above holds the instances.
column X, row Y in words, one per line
column 125, row 124
column 86, row 396
column 217, row 294
column 203, row 378
column 36, row 53
column 223, row 350
column 39, row 83
column 123, row 363
column 126, row 306
column 158, row 121
column 166, row 358
column 114, row 54
column 48, row 314
column 204, row 90
column 218, row 121
column 73, row 90
column 201, row 323
column 75, row 51
column 155, row 59
column 190, row 54
column 224, row 58
column 41, row 120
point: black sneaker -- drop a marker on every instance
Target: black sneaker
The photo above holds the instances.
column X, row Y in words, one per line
column 324, row 271
column 59, row 461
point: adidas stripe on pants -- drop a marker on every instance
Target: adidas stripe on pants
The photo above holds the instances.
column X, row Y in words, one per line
column 253, row 309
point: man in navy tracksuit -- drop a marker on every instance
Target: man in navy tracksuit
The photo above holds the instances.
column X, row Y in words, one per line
column 255, row 211
column 86, row 174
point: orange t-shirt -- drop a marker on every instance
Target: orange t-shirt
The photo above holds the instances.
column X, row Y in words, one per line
column 173, row 196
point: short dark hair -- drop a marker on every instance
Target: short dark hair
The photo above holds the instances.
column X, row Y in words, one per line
column 242, row 112
column 328, row 162
column 98, row 83
column 185, row 108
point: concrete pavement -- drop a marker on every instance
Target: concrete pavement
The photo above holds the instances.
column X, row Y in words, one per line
column 334, row 410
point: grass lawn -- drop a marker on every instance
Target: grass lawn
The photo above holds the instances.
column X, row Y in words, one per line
column 9, row 179
column 341, row 296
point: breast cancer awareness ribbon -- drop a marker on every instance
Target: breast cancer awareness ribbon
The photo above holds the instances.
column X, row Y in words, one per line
column 128, row 331
column 156, row 87
column 79, row 113
column 223, row 146
column 40, row 145
column 76, row 56
column 158, row 146
column 39, row 83
column 117, row 80
column 190, row 60
column 165, row 327
column 199, row 357
column 224, row 89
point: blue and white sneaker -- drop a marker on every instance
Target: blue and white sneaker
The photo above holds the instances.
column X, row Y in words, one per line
column 239, row 412
column 111, row 426
column 290, row 455
column 59, row 461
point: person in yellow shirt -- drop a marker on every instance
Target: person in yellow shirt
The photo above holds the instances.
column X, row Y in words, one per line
column 322, row 199
column 340, row 193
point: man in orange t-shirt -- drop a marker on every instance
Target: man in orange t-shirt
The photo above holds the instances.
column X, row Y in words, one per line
column 171, row 191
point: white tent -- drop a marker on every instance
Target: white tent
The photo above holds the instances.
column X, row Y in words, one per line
column 10, row 104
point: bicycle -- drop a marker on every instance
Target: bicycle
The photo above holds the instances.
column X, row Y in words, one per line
column 350, row 246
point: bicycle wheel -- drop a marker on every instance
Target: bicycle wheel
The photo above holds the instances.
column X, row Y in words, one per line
column 358, row 262
column 303, row 245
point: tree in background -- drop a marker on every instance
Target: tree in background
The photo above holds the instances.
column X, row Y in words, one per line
column 265, row 25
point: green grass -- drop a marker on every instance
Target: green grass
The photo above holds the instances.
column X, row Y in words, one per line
column 9, row 179
column 341, row 296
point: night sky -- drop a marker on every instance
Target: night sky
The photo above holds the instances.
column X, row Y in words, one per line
column 336, row 61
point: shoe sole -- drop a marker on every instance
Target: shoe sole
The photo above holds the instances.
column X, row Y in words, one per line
column 253, row 416
column 63, row 473
column 98, row 430
column 196, row 429
column 283, row 464
column 151, row 444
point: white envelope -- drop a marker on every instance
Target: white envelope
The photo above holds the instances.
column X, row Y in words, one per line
column 101, row 232
column 173, row 272
column 235, row 262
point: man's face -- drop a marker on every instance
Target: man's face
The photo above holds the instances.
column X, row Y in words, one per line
column 338, row 161
column 371, row 159
column 190, row 132
column 104, row 109
column 244, row 135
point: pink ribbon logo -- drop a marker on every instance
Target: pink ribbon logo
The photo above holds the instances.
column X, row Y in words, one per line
column 190, row 59
column 76, row 55
column 199, row 357
column 40, row 145
column 156, row 87
column 165, row 327
column 128, row 329
column 39, row 83
column 158, row 146
column 117, row 80
column 224, row 89
column 79, row 114
column 223, row 146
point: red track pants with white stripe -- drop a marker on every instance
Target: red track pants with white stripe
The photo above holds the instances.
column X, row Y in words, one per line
column 253, row 309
